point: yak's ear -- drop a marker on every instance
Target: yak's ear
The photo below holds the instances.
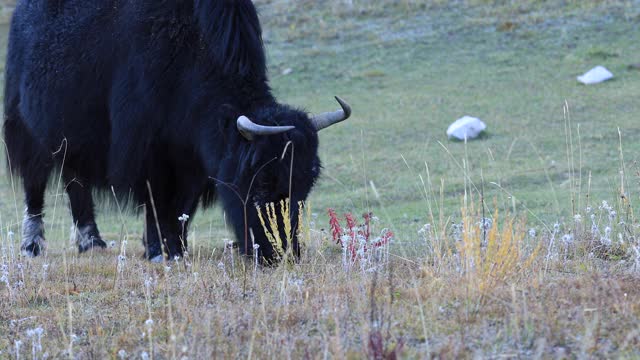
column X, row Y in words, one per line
column 227, row 115
column 255, row 158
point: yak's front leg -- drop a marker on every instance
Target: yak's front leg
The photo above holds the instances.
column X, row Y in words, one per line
column 162, row 230
column 85, row 232
column 166, row 215
column 185, row 205
column 153, row 235
column 182, row 220
column 173, row 190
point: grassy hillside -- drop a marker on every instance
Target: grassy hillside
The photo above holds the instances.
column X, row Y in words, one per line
column 551, row 282
column 410, row 68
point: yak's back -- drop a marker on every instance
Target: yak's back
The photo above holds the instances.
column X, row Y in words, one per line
column 229, row 30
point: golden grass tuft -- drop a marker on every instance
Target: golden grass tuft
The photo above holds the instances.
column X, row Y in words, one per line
column 271, row 228
column 493, row 256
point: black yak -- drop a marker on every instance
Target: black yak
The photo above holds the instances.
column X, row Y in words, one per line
column 165, row 102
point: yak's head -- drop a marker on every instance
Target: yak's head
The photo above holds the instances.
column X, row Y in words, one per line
column 277, row 160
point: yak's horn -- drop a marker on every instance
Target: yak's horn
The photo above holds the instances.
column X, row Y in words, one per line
column 323, row 121
column 250, row 130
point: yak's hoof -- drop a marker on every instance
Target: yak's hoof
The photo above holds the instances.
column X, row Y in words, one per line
column 33, row 247
column 159, row 259
column 91, row 243
column 33, row 243
column 87, row 237
column 154, row 253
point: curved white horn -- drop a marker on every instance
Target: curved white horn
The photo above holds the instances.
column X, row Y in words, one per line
column 250, row 130
column 324, row 120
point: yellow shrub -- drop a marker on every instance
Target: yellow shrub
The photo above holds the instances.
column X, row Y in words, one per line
column 500, row 258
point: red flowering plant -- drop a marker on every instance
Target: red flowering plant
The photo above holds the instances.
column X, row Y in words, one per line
column 355, row 239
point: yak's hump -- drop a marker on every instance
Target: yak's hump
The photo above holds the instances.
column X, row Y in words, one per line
column 232, row 34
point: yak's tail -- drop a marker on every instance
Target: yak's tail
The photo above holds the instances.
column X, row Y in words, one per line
column 232, row 34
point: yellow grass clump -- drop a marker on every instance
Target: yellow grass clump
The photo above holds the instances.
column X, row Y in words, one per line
column 494, row 255
column 271, row 228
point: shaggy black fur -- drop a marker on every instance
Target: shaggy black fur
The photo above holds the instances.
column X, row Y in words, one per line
column 143, row 96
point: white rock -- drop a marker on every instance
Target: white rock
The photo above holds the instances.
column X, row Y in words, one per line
column 596, row 75
column 467, row 127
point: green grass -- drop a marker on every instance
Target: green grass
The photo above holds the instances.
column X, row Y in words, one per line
column 408, row 68
column 409, row 76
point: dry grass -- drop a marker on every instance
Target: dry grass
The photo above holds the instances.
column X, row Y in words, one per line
column 499, row 292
